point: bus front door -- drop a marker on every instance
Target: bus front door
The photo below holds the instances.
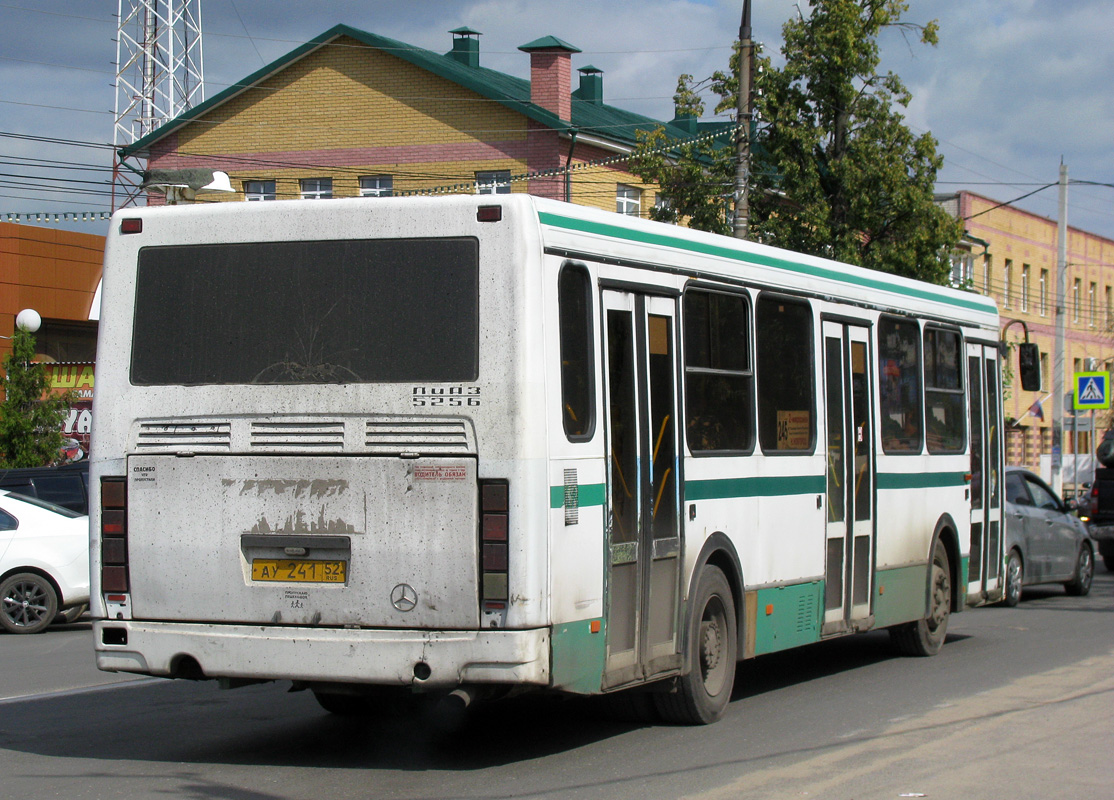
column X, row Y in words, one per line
column 849, row 569
column 984, row 568
column 644, row 544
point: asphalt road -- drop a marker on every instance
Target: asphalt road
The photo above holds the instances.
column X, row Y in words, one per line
column 1018, row 704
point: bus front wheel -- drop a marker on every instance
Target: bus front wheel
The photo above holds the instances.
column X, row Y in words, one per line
column 925, row 637
column 702, row 694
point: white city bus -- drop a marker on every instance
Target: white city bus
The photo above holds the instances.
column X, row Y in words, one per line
column 474, row 445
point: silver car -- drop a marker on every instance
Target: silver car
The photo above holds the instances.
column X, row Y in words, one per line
column 1045, row 541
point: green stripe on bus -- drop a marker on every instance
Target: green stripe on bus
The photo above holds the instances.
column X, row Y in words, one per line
column 920, row 480
column 754, row 487
column 976, row 303
column 588, row 494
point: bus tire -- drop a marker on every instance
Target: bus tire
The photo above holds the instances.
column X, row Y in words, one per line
column 701, row 695
column 925, row 637
column 344, row 705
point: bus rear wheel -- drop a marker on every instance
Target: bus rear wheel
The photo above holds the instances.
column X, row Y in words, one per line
column 925, row 637
column 702, row 694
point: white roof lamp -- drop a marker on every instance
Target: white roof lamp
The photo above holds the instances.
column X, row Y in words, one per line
column 28, row 320
column 186, row 184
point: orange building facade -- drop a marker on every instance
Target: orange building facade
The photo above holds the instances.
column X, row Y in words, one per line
column 1012, row 255
column 56, row 273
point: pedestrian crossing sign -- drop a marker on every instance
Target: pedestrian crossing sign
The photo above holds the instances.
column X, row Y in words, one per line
column 1092, row 390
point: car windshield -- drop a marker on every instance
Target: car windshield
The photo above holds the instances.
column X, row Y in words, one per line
column 34, row 501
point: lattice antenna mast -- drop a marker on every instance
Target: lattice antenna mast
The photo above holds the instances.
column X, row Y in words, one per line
column 159, row 75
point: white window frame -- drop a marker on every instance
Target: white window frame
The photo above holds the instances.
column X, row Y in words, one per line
column 377, row 185
column 255, row 191
column 493, row 181
column 314, row 188
column 628, row 200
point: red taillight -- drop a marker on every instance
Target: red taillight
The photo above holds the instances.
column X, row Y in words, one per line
column 114, row 534
column 1093, row 505
column 131, row 225
column 494, row 506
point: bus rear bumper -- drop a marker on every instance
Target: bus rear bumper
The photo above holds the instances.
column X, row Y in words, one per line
column 433, row 659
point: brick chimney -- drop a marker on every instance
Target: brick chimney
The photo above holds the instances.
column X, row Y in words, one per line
column 551, row 74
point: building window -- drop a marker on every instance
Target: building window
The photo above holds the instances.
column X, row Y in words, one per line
column 496, row 181
column 1043, row 309
column 1044, row 372
column 963, row 268
column 259, row 190
column 1091, row 291
column 1076, row 299
column 376, row 186
column 1007, row 278
column 628, row 200
column 1109, row 308
column 986, row 274
column 1024, row 287
column 317, row 188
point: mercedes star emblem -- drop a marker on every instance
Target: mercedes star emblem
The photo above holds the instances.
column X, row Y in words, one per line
column 403, row 597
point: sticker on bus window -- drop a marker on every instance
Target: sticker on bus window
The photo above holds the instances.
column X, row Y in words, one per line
column 440, row 473
column 792, row 430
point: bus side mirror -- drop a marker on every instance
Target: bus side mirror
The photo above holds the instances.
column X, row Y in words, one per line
column 1029, row 366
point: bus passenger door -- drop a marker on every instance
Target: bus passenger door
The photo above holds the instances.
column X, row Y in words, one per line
column 644, row 544
column 985, row 563
column 849, row 567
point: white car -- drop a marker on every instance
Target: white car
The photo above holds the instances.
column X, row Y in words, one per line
column 44, row 563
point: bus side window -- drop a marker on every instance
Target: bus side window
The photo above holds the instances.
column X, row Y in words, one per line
column 785, row 375
column 899, row 384
column 719, row 379
column 577, row 391
column 946, row 413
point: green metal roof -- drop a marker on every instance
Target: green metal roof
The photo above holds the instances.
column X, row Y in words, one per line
column 549, row 43
column 601, row 120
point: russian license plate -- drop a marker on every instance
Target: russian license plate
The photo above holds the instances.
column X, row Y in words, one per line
column 297, row 571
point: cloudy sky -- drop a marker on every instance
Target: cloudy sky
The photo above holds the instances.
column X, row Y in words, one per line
column 1013, row 87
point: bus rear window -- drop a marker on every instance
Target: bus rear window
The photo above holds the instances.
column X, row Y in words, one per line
column 343, row 311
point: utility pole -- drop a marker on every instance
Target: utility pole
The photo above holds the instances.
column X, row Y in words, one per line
column 1061, row 324
column 742, row 132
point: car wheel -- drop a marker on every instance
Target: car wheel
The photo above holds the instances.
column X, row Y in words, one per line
column 702, row 694
column 28, row 603
column 926, row 636
column 1015, row 575
column 1084, row 573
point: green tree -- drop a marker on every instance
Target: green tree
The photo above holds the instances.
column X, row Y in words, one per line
column 696, row 177
column 836, row 172
column 30, row 418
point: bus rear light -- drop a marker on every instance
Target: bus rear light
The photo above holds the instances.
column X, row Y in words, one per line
column 489, row 213
column 131, row 225
column 114, row 535
column 494, row 507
